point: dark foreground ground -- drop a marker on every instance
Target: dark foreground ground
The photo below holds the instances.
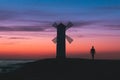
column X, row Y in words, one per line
column 68, row 69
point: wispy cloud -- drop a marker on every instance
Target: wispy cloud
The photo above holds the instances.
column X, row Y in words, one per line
column 29, row 28
column 7, row 43
column 44, row 27
column 113, row 27
column 6, row 28
column 98, row 35
column 85, row 23
column 18, row 38
column 22, row 28
column 34, row 21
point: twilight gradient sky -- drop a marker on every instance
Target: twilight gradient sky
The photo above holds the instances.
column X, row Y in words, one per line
column 26, row 28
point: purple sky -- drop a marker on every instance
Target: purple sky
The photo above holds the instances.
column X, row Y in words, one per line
column 22, row 19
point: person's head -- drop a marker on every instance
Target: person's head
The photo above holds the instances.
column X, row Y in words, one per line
column 92, row 47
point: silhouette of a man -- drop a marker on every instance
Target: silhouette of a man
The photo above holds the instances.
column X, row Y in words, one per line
column 92, row 51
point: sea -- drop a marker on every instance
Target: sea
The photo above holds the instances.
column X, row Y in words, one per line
column 11, row 65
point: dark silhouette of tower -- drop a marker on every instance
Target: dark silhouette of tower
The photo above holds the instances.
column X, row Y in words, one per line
column 92, row 51
column 60, row 39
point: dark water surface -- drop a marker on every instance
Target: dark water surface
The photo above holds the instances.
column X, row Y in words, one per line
column 10, row 65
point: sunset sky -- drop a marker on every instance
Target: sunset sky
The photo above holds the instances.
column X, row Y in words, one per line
column 26, row 28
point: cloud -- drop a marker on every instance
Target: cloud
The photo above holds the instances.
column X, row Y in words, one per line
column 34, row 21
column 112, row 27
column 2, row 28
column 18, row 38
column 47, row 26
column 7, row 43
column 15, row 37
column 98, row 35
column 104, row 35
column 98, row 24
column 85, row 23
column 23, row 28
column 29, row 28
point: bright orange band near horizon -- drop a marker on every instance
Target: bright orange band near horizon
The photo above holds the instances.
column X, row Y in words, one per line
column 43, row 47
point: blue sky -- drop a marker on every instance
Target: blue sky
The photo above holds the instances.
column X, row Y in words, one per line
column 73, row 10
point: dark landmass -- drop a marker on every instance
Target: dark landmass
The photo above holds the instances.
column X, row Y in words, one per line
column 67, row 69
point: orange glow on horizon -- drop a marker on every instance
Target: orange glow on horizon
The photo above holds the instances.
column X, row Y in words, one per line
column 44, row 47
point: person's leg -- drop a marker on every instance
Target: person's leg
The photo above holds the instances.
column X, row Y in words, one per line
column 92, row 56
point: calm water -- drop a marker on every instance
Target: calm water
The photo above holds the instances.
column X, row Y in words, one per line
column 11, row 65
